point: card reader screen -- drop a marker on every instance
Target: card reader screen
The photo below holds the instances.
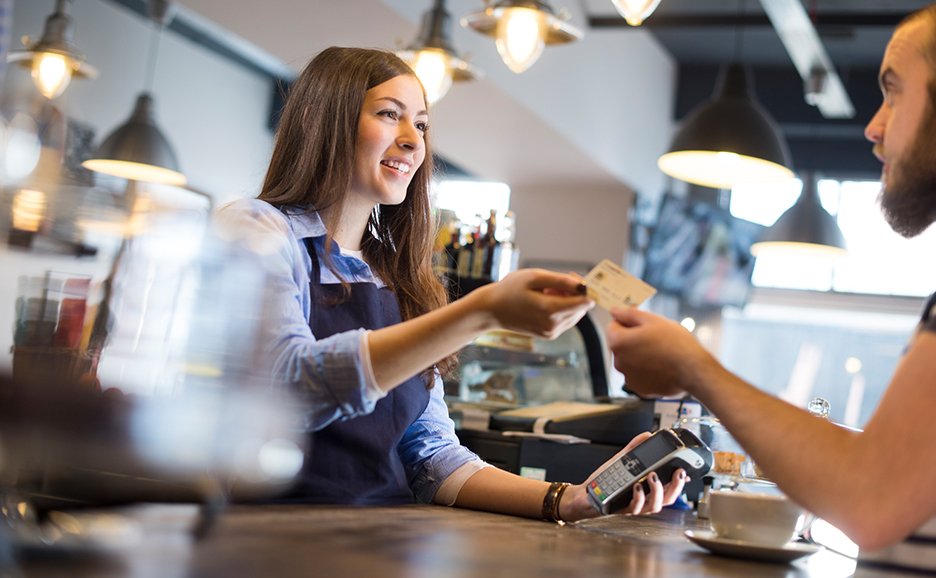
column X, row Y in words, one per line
column 652, row 450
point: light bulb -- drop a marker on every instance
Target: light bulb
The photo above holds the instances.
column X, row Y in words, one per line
column 29, row 209
column 51, row 72
column 432, row 70
column 520, row 37
column 635, row 11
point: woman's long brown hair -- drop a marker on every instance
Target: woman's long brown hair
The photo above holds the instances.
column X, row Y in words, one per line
column 312, row 165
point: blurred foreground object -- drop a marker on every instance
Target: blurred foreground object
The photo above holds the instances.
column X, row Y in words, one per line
column 130, row 367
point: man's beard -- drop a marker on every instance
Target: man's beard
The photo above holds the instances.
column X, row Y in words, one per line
column 908, row 197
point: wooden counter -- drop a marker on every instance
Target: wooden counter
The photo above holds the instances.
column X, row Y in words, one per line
column 413, row 542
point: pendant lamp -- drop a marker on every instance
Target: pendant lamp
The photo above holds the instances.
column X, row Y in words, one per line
column 635, row 11
column 138, row 150
column 805, row 229
column 521, row 28
column 54, row 60
column 433, row 58
column 729, row 139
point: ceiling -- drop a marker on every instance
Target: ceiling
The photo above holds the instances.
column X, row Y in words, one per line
column 854, row 32
column 696, row 35
column 703, row 34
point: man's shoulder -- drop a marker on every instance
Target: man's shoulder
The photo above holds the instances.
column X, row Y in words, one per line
column 928, row 319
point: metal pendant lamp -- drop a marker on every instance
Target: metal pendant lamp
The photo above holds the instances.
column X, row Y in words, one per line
column 53, row 59
column 521, row 28
column 138, row 150
column 805, row 229
column 434, row 59
column 729, row 139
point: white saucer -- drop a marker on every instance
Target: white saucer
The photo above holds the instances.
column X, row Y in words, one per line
column 739, row 549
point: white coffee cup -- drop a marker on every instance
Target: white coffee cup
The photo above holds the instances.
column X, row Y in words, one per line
column 766, row 519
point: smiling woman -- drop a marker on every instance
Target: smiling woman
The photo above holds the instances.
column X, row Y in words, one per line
column 360, row 327
column 390, row 143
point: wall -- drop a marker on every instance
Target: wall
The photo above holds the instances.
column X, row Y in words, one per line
column 551, row 225
column 610, row 95
column 554, row 231
column 213, row 112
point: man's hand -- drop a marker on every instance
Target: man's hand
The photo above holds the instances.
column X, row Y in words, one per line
column 658, row 357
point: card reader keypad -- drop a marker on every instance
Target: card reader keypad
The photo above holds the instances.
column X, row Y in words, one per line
column 618, row 474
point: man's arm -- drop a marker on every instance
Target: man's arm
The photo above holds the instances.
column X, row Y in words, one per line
column 876, row 486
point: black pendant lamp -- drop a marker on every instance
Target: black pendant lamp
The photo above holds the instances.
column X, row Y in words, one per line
column 805, row 229
column 138, row 150
column 729, row 139
column 433, row 58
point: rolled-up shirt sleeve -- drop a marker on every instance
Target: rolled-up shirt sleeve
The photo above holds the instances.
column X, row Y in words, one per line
column 430, row 450
column 326, row 375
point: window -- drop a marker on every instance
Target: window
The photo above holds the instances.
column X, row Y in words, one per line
column 798, row 353
column 468, row 199
column 844, row 343
column 879, row 262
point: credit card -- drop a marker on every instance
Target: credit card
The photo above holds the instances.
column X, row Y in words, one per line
column 611, row 286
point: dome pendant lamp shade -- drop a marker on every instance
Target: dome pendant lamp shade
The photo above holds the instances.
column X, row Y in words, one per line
column 137, row 150
column 805, row 229
column 432, row 57
column 635, row 11
column 53, row 59
column 521, row 28
column 729, row 139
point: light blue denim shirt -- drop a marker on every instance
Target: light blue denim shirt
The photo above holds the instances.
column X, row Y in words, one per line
column 329, row 375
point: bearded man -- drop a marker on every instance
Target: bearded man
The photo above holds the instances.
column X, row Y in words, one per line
column 876, row 485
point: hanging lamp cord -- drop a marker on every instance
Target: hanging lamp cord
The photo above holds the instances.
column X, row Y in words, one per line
column 152, row 56
column 739, row 31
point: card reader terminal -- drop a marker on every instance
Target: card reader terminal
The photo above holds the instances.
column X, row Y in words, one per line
column 664, row 452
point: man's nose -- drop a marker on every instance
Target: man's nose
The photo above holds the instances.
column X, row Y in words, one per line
column 874, row 132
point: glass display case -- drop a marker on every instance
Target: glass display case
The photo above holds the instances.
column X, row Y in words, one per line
column 503, row 370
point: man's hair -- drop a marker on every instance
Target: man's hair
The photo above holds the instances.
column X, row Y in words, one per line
column 929, row 13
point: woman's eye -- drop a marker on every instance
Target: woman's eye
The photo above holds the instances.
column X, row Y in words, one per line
column 391, row 114
column 422, row 126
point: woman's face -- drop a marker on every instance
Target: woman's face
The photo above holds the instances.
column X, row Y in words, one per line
column 390, row 142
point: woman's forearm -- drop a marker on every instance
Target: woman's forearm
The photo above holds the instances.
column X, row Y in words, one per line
column 532, row 301
column 401, row 351
column 494, row 490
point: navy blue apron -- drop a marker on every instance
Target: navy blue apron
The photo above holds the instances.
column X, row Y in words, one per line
column 355, row 461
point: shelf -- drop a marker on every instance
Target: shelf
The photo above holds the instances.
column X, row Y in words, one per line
column 494, row 356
